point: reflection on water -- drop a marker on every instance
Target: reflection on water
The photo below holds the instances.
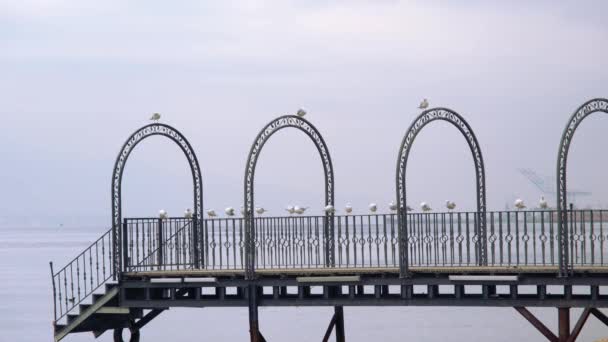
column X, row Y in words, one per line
column 26, row 308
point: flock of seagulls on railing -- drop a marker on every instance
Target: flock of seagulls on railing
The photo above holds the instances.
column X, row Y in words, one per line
column 348, row 209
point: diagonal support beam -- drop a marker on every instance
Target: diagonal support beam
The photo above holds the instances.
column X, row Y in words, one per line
column 330, row 328
column 537, row 324
column 579, row 325
column 147, row 318
column 599, row 315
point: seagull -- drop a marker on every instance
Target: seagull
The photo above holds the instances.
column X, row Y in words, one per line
column 162, row 214
column 290, row 209
column 450, row 205
column 301, row 112
column 242, row 211
column 329, row 209
column 155, row 117
column 519, row 204
column 188, row 213
column 392, row 206
column 348, row 208
column 373, row 207
column 543, row 203
column 211, row 213
column 260, row 210
column 408, row 208
column 424, row 104
column 299, row 210
column 229, row 211
column 425, row 207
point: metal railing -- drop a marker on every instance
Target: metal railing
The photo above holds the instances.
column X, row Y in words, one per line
column 442, row 239
column 82, row 276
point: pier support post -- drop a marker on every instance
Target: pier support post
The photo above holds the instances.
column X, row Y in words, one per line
column 254, row 327
column 337, row 324
column 564, row 324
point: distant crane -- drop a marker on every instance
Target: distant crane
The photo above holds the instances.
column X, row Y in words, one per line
column 546, row 184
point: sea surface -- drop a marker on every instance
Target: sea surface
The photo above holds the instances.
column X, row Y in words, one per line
column 26, row 307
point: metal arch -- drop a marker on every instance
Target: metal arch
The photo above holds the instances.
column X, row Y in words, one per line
column 116, row 186
column 459, row 122
column 589, row 107
column 270, row 129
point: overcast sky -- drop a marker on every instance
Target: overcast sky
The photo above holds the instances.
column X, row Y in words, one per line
column 77, row 77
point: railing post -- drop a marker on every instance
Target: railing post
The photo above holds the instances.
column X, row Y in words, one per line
column 125, row 244
column 249, row 245
column 330, row 246
column 54, row 294
column 195, row 244
column 160, row 243
column 403, row 242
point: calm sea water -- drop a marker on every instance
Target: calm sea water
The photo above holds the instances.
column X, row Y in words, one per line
column 26, row 307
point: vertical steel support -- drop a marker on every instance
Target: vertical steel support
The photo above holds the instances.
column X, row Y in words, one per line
column 54, row 294
column 340, row 335
column 564, row 324
column 196, row 244
column 124, row 247
column 402, row 237
column 159, row 240
column 254, row 328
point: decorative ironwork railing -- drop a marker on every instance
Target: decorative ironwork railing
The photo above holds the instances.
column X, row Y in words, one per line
column 82, row 276
column 442, row 239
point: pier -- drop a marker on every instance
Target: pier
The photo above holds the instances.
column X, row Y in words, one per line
column 141, row 267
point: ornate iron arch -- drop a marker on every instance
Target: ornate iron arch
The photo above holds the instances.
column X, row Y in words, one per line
column 589, row 107
column 116, row 186
column 270, row 129
column 459, row 122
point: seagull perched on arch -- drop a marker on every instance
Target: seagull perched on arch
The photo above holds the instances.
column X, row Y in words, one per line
column 155, row 117
column 424, row 104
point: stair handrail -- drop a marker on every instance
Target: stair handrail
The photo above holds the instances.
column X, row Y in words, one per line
column 91, row 281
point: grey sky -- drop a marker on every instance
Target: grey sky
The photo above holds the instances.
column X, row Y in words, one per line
column 79, row 76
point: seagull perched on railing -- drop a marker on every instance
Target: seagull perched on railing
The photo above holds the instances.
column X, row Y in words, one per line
column 229, row 211
column 450, row 205
column 290, row 209
column 155, row 117
column 211, row 213
column 348, row 208
column 301, row 112
column 425, row 207
column 373, row 207
column 392, row 206
column 188, row 213
column 162, row 214
column 260, row 210
column 543, row 203
column 519, row 204
column 424, row 104
column 329, row 209
column 299, row 210
column 408, row 208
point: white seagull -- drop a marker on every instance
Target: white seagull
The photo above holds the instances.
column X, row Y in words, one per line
column 392, row 206
column 188, row 213
column 329, row 209
column 425, row 207
column 229, row 211
column 242, row 210
column 155, row 117
column 450, row 205
column 260, row 210
column 162, row 214
column 299, row 210
column 408, row 208
column 543, row 203
column 519, row 204
column 424, row 104
column 290, row 209
column 373, row 207
column 348, row 208
column 301, row 112
column 211, row 213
